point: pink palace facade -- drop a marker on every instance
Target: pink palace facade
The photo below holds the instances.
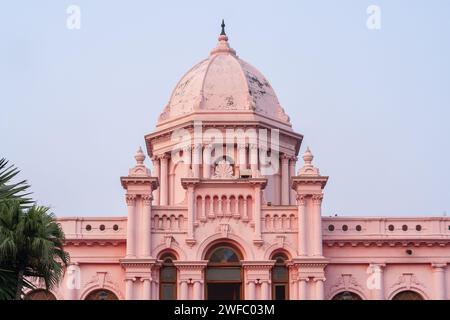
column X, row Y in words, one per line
column 210, row 222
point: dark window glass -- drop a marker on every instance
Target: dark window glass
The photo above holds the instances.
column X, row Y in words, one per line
column 344, row 227
column 418, row 227
column 404, row 227
column 102, row 227
column 88, row 227
column 223, row 274
column 391, row 227
column 280, row 292
column 115, row 227
column 280, row 273
column 168, row 291
column 330, row 227
column 224, row 255
column 358, row 228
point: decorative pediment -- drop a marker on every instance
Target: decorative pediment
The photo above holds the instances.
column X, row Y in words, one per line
column 408, row 280
column 223, row 170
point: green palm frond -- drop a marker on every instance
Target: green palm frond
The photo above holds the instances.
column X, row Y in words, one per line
column 9, row 189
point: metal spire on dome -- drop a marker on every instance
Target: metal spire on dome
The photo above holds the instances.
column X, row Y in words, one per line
column 223, row 28
column 223, row 46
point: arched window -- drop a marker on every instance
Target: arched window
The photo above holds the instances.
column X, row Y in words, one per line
column 40, row 294
column 168, row 278
column 346, row 295
column 280, row 277
column 224, row 273
column 407, row 295
column 101, row 294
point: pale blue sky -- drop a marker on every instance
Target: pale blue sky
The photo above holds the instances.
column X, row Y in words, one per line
column 374, row 106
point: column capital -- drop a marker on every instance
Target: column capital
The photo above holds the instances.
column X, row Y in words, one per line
column 317, row 199
column 131, row 199
column 438, row 266
column 164, row 156
column 285, row 157
column 147, row 198
column 316, row 279
column 301, row 199
column 130, row 278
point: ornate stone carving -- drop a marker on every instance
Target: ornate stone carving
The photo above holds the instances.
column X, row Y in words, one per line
column 301, row 199
column 131, row 199
column 317, row 199
column 408, row 280
column 223, row 170
column 147, row 198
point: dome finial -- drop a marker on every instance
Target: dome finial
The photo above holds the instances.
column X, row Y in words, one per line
column 223, row 28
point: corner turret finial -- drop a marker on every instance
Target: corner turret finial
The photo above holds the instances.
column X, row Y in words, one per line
column 223, row 28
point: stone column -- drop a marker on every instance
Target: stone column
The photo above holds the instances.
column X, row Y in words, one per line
column 251, row 290
column 292, row 162
column 254, row 159
column 245, row 213
column 285, row 190
column 147, row 223
column 319, row 288
column 191, row 212
column 242, row 155
column 302, row 288
column 301, row 225
column 265, row 292
column 207, row 162
column 257, row 214
column 439, row 287
column 317, row 217
column 157, row 174
column 183, row 290
column 129, row 288
column 197, row 290
column 131, row 225
column 147, row 288
column 196, row 160
column 203, row 214
column 164, row 185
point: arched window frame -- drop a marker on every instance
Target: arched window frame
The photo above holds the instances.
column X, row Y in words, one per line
column 166, row 282
column 279, row 281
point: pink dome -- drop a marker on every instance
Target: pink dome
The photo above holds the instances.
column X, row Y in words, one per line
column 223, row 83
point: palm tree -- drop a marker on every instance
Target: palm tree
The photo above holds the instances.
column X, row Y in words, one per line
column 31, row 244
column 31, row 240
column 8, row 189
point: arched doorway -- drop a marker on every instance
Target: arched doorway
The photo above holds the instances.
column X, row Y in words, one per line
column 224, row 273
column 168, row 278
column 346, row 295
column 280, row 277
column 101, row 294
column 40, row 294
column 407, row 295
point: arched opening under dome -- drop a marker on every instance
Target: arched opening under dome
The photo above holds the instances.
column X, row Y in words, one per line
column 40, row 294
column 101, row 294
column 224, row 273
column 407, row 295
column 346, row 295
